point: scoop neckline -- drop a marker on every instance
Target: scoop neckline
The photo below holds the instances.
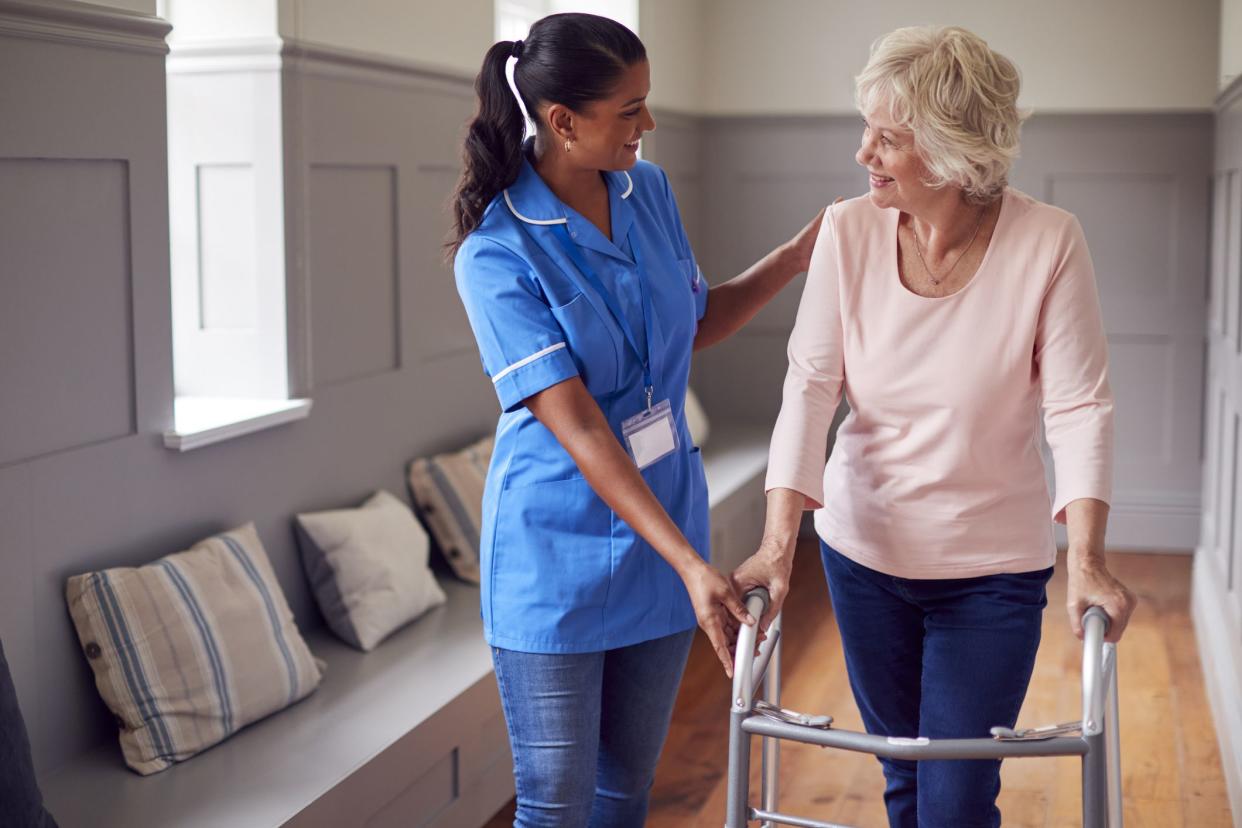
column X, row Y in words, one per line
column 979, row 271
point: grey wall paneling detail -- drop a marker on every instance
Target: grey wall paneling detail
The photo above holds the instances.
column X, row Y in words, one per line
column 353, row 269
column 1216, row 602
column 351, row 111
column 66, row 349
column 126, row 500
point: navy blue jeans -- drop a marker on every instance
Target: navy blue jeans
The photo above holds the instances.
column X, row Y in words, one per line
column 586, row 730
column 942, row 659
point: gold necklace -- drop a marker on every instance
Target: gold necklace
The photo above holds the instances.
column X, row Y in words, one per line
column 918, row 249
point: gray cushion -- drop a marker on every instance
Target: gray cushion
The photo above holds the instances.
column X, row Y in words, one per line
column 368, row 568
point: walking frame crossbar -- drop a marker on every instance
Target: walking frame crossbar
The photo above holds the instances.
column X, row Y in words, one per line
column 1095, row 738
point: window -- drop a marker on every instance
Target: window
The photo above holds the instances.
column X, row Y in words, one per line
column 226, row 223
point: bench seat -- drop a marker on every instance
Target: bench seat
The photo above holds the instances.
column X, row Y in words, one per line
column 410, row 735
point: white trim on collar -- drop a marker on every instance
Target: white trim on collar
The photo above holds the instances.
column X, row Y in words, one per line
column 515, row 212
column 628, row 189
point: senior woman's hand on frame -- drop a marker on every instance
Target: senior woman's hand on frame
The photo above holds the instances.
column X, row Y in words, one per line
column 770, row 566
column 1090, row 582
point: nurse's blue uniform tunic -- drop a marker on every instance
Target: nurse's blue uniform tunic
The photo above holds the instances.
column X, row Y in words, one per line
column 561, row 573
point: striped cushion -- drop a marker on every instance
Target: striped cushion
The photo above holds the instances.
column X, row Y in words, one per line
column 448, row 490
column 191, row 648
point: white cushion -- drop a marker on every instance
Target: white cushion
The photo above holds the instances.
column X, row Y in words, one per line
column 368, row 568
column 696, row 419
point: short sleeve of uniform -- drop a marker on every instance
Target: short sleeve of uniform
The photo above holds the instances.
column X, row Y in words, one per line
column 521, row 344
column 689, row 265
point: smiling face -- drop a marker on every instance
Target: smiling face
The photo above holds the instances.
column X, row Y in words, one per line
column 897, row 173
column 606, row 133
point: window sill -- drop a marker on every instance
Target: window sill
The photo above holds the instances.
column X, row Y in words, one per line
column 201, row 421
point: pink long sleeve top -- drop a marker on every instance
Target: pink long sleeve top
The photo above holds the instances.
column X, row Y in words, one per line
column 937, row 470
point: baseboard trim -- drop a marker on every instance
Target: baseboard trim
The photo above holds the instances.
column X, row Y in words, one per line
column 1220, row 654
column 1165, row 523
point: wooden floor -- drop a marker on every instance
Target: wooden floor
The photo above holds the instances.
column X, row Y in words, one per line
column 1170, row 762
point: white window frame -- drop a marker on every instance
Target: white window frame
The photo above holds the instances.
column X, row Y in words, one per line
column 226, row 223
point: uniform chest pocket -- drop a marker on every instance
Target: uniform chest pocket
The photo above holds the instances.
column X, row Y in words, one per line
column 690, row 272
column 685, row 300
column 592, row 344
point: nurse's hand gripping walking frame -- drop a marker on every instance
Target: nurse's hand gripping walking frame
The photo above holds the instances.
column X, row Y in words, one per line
column 1095, row 738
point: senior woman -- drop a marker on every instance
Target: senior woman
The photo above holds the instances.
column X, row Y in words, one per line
column 950, row 310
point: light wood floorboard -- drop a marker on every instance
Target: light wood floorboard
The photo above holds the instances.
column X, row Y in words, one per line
column 1170, row 762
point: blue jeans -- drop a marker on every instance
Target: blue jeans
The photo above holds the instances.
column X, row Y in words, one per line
column 943, row 659
column 586, row 730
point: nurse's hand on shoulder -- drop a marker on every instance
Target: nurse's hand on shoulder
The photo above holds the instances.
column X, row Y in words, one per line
column 802, row 245
column 717, row 608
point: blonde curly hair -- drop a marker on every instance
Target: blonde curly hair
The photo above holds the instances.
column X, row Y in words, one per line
column 958, row 97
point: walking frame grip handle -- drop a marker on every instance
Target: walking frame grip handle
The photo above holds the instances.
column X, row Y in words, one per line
column 748, row 668
column 1098, row 661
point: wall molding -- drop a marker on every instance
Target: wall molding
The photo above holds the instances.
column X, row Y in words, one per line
column 226, row 55
column 312, row 58
column 86, row 24
column 1229, row 95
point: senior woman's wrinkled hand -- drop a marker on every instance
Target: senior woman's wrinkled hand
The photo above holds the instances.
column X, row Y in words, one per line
column 769, row 568
column 1092, row 585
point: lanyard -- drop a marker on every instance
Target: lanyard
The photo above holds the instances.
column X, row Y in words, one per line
column 575, row 254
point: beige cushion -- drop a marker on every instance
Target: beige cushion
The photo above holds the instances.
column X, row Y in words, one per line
column 696, row 419
column 368, row 568
column 448, row 490
column 191, row 648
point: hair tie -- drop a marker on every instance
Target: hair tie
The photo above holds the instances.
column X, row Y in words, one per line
column 516, row 52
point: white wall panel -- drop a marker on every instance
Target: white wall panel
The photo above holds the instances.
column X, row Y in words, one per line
column 1217, row 597
column 228, row 288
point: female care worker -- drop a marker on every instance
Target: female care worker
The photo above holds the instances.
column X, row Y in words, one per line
column 586, row 302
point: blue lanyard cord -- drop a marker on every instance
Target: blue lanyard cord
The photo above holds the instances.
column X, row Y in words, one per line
column 575, row 254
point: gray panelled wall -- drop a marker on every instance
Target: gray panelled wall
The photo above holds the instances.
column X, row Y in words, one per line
column 1217, row 600
column 85, row 342
column 1138, row 183
column 377, row 337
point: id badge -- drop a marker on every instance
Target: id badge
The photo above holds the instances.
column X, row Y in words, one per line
column 650, row 435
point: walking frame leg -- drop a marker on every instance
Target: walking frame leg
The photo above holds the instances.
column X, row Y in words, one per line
column 1113, row 741
column 737, row 808
column 772, row 747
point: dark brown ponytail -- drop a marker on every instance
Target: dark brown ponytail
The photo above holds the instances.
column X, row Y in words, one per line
column 570, row 59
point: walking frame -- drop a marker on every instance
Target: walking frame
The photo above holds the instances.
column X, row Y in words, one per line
column 1095, row 738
